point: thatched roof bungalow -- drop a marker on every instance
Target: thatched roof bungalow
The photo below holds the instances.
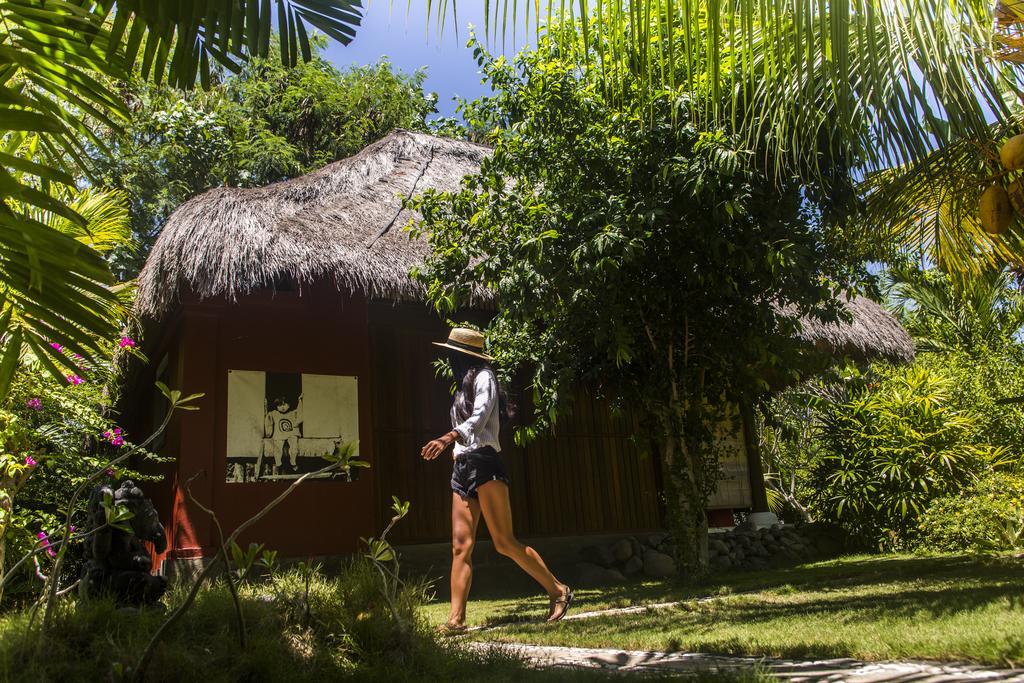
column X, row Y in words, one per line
column 292, row 305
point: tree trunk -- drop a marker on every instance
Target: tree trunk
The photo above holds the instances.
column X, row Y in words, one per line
column 755, row 468
column 684, row 506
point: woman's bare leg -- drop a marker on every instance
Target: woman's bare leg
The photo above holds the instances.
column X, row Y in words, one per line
column 465, row 518
column 497, row 511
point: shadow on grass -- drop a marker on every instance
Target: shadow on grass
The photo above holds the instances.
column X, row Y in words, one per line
column 858, row 592
column 846, row 572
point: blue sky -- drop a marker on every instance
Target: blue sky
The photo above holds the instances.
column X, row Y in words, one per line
column 411, row 42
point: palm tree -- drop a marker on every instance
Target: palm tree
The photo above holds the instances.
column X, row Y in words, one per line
column 30, row 322
column 55, row 58
column 944, row 313
column 915, row 96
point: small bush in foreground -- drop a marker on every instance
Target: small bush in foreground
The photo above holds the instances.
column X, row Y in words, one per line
column 989, row 516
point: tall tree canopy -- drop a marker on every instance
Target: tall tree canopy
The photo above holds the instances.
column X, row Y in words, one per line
column 631, row 246
column 267, row 123
column 921, row 93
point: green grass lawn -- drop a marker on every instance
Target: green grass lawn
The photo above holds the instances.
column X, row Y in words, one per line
column 868, row 607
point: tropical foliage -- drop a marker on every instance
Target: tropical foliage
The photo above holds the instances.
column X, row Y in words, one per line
column 944, row 313
column 887, row 452
column 903, row 79
column 55, row 57
column 54, row 435
column 988, row 516
column 875, row 449
column 33, row 318
column 267, row 123
column 920, row 96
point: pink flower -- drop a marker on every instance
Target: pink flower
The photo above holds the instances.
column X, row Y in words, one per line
column 74, row 380
column 34, row 404
column 56, row 346
column 45, row 541
column 30, row 461
column 110, row 472
column 76, row 356
column 114, row 436
column 127, row 342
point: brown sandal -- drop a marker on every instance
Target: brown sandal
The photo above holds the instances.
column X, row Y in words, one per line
column 560, row 606
column 447, row 629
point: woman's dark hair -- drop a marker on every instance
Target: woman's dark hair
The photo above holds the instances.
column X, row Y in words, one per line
column 465, row 368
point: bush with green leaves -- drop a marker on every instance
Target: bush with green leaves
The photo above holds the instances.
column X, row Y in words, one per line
column 53, row 436
column 980, row 382
column 989, row 516
column 890, row 445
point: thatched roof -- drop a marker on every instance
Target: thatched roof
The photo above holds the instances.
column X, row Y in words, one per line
column 873, row 332
column 343, row 223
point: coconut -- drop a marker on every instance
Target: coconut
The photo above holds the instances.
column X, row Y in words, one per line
column 1012, row 153
column 995, row 210
column 1016, row 192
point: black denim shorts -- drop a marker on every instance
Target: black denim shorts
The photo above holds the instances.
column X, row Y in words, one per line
column 475, row 468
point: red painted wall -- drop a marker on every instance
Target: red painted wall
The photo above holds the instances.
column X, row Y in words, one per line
column 315, row 332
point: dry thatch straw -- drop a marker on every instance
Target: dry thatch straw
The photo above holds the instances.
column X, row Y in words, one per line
column 872, row 333
column 343, row 223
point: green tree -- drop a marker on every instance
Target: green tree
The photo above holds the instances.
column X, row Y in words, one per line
column 629, row 248
column 267, row 123
column 55, row 57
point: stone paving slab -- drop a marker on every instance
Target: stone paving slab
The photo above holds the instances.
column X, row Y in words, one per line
column 825, row 670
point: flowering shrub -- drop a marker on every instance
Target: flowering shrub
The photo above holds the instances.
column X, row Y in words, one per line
column 114, row 437
column 989, row 516
column 52, row 436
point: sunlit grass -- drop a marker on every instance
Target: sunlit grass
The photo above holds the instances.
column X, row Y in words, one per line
column 867, row 607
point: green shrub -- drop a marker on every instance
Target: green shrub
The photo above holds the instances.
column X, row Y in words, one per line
column 989, row 516
column 979, row 379
column 889, row 448
column 65, row 430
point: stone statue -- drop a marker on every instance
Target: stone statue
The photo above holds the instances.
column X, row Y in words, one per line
column 116, row 563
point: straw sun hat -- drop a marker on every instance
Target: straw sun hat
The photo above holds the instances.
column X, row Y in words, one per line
column 465, row 340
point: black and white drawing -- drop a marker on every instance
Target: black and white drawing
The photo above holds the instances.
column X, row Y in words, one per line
column 282, row 425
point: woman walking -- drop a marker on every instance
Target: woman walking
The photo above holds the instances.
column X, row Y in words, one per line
column 479, row 480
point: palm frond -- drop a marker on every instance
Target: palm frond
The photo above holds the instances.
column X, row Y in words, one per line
column 55, row 58
column 183, row 39
column 928, row 210
column 944, row 313
column 107, row 220
column 879, row 82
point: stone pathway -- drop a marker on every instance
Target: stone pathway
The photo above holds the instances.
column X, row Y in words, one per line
column 634, row 609
column 693, row 664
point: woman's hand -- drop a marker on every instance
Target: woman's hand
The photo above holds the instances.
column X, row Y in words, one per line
column 438, row 446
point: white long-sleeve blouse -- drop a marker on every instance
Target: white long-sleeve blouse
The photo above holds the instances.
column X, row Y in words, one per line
column 480, row 429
